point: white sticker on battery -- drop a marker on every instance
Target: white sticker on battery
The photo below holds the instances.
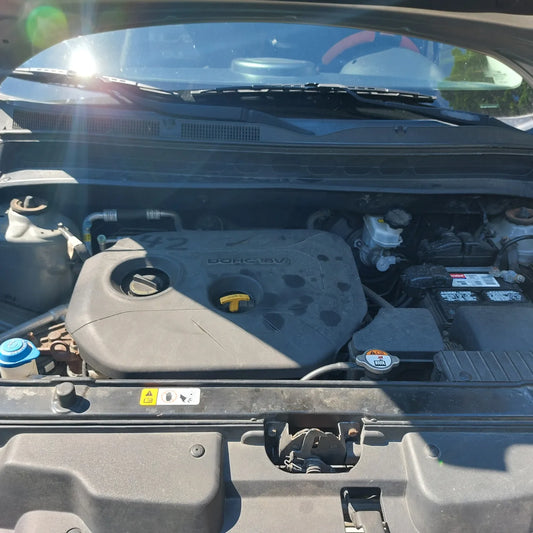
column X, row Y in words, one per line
column 504, row 296
column 178, row 397
column 473, row 280
column 458, row 296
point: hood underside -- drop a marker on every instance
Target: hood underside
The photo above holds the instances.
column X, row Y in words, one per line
column 499, row 28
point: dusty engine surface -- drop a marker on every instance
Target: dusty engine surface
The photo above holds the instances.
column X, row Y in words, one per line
column 234, row 304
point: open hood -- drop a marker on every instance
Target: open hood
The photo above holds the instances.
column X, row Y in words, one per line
column 500, row 28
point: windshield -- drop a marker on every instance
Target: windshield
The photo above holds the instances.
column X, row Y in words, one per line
column 214, row 55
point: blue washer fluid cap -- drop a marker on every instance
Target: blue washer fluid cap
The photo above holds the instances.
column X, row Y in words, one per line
column 17, row 352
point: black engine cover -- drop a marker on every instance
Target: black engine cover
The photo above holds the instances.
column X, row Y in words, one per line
column 150, row 305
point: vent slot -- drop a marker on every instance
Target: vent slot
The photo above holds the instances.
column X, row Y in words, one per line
column 34, row 121
column 219, row 132
column 28, row 120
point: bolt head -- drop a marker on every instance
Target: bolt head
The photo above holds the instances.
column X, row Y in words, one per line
column 433, row 451
column 66, row 394
column 197, row 450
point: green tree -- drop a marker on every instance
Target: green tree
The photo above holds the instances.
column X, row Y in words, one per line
column 470, row 66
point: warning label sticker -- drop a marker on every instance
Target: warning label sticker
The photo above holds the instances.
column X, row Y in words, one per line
column 178, row 397
column 378, row 361
column 473, row 280
column 504, row 296
column 376, row 352
column 172, row 396
column 148, row 397
column 458, row 296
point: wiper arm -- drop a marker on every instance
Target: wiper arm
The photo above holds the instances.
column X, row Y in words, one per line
column 152, row 98
column 412, row 102
column 419, row 106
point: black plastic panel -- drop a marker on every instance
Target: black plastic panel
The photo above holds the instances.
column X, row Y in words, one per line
column 469, row 482
column 485, row 366
column 495, row 327
column 408, row 333
column 112, row 481
column 443, row 457
column 304, row 301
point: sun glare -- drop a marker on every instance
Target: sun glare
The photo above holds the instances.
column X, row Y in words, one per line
column 82, row 62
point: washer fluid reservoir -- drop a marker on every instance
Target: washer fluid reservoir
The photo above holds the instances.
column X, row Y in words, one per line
column 36, row 272
column 18, row 359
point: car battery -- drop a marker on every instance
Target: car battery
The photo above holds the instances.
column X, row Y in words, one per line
column 470, row 287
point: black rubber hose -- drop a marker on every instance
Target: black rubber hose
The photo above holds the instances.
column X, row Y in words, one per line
column 508, row 244
column 330, row 368
column 376, row 298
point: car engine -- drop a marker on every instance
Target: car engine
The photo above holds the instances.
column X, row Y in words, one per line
column 257, row 304
column 399, row 294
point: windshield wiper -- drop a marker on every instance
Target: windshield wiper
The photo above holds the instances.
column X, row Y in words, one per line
column 188, row 103
column 151, row 98
column 364, row 97
column 116, row 87
column 368, row 92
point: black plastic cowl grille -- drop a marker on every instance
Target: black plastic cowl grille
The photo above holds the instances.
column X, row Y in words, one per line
column 38, row 121
column 194, row 131
column 219, row 132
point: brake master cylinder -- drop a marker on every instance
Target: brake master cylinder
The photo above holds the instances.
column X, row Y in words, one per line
column 381, row 235
column 36, row 271
column 517, row 222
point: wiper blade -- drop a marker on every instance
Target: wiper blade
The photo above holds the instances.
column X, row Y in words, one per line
column 151, row 98
column 115, row 87
column 367, row 92
column 382, row 98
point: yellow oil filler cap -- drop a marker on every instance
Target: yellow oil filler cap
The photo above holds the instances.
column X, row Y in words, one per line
column 234, row 301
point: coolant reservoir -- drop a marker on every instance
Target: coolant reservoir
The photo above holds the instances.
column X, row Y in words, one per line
column 515, row 223
column 36, row 273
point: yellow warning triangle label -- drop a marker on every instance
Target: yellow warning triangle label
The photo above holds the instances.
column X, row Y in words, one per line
column 148, row 397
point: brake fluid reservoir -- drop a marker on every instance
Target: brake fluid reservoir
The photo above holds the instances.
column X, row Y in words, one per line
column 380, row 236
column 36, row 272
column 377, row 233
column 515, row 223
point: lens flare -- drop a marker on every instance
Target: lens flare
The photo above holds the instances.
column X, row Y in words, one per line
column 45, row 26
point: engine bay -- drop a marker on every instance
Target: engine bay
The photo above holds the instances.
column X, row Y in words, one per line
column 411, row 290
